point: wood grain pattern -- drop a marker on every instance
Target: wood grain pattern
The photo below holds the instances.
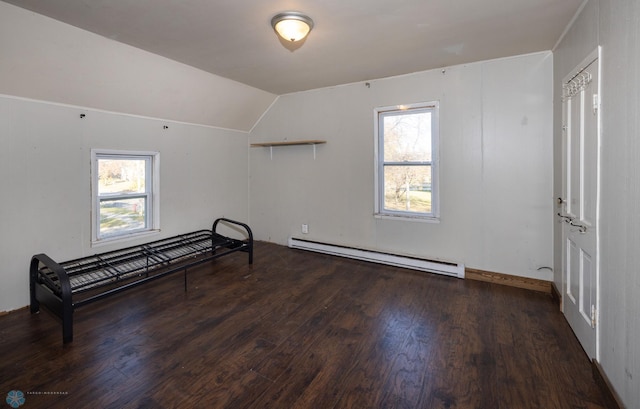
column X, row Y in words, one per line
column 507, row 279
column 303, row 330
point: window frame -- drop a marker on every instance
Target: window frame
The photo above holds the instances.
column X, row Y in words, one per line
column 380, row 211
column 152, row 195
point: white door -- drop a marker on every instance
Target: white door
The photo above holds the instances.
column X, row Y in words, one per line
column 579, row 210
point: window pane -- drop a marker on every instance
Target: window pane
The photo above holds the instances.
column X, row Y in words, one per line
column 407, row 137
column 122, row 215
column 118, row 176
column 407, row 188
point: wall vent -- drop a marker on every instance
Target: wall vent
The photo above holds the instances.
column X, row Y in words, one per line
column 414, row 263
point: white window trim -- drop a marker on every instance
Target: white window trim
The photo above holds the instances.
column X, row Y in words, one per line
column 154, row 218
column 379, row 212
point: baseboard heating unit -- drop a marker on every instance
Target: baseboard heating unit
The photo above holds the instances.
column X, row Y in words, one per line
column 414, row 263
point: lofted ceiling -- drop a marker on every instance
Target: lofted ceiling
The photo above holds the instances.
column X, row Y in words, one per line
column 353, row 40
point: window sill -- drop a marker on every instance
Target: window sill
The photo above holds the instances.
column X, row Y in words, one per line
column 123, row 238
column 407, row 218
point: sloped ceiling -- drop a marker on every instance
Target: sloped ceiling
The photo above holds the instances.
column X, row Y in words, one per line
column 353, row 40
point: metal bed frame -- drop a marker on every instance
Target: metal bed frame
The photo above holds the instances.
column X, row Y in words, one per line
column 63, row 287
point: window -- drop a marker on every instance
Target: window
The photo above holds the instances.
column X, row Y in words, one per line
column 125, row 193
column 406, row 161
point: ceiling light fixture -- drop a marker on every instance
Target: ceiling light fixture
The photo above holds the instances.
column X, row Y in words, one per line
column 292, row 25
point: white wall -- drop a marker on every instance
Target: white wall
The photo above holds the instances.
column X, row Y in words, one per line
column 496, row 166
column 45, row 59
column 44, row 147
column 45, row 199
column 613, row 24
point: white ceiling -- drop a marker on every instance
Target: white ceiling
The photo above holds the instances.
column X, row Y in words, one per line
column 353, row 40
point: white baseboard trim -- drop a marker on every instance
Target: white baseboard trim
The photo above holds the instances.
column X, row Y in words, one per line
column 432, row 266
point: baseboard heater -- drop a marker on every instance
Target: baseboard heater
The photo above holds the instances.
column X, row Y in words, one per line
column 414, row 263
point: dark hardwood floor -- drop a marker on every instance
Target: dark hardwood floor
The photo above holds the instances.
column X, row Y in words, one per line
column 302, row 330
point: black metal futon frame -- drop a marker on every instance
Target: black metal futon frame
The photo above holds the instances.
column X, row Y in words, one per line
column 63, row 287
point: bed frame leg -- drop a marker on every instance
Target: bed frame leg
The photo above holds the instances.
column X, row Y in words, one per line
column 67, row 328
column 34, row 304
column 67, row 315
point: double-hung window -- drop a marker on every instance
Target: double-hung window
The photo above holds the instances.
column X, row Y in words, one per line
column 125, row 193
column 407, row 161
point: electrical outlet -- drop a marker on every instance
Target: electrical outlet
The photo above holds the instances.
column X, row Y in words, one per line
column 305, row 228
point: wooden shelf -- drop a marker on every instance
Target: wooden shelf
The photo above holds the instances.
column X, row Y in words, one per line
column 270, row 145
column 288, row 143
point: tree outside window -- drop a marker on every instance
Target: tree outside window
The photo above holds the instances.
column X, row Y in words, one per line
column 125, row 193
column 407, row 137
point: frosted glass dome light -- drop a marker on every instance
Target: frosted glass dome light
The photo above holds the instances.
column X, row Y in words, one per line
column 292, row 25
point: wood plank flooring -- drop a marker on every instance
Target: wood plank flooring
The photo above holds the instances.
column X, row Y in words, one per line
column 302, row 330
